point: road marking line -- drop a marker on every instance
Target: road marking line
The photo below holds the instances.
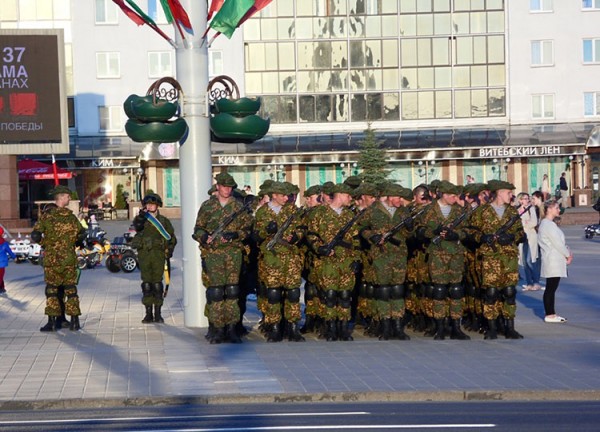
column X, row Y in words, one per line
column 336, row 427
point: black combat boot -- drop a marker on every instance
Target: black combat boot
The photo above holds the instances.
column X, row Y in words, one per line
column 218, row 336
column 501, row 325
column 149, row 317
column 491, row 332
column 440, row 330
column 309, row 325
column 50, row 326
column 331, row 331
column 275, row 333
column 232, row 334
column 345, row 334
column 62, row 321
column 456, row 332
column 157, row 316
column 398, row 329
column 294, row 333
column 74, row 323
column 210, row 333
column 511, row 333
column 386, row 329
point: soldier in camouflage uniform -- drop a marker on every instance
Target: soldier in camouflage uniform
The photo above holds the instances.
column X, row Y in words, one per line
column 387, row 258
column 57, row 232
column 222, row 257
column 446, row 259
column 311, row 295
column 335, row 269
column 417, row 273
column 280, row 265
column 499, row 254
column 365, row 195
column 154, row 249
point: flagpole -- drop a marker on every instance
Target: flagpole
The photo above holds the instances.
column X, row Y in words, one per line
column 195, row 167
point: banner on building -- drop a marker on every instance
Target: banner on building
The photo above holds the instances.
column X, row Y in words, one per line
column 33, row 101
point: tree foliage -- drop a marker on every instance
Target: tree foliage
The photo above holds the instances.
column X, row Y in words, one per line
column 372, row 159
column 120, row 203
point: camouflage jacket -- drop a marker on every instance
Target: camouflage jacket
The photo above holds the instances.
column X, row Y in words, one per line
column 432, row 221
column 212, row 213
column 151, row 239
column 265, row 215
column 377, row 220
column 486, row 221
column 323, row 225
column 61, row 230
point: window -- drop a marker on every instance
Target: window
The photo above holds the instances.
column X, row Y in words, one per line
column 590, row 4
column 215, row 63
column 540, row 5
column 8, row 10
column 591, row 104
column 156, row 12
column 106, row 12
column 159, row 64
column 110, row 118
column 542, row 106
column 591, row 50
column 108, row 65
column 542, row 53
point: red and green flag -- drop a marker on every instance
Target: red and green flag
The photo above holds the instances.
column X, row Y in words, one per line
column 137, row 15
column 229, row 15
column 215, row 5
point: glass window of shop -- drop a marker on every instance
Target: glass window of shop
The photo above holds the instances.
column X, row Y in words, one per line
column 377, row 58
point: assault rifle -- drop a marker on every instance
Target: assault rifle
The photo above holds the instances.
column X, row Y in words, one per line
column 339, row 237
column 225, row 223
column 389, row 234
column 456, row 222
column 507, row 225
column 277, row 238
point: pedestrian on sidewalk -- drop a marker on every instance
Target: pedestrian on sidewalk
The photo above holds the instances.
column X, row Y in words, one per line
column 556, row 256
column 5, row 254
column 529, row 249
column 155, row 241
column 58, row 231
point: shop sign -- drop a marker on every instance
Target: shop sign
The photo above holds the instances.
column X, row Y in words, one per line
column 520, row 151
column 229, row 160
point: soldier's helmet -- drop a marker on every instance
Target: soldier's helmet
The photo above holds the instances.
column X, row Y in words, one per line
column 152, row 198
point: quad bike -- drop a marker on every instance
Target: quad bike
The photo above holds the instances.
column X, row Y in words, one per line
column 93, row 251
column 121, row 256
column 592, row 230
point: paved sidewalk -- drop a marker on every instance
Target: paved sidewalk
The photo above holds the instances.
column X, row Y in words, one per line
column 116, row 360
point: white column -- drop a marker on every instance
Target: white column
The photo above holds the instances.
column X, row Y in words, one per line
column 194, row 156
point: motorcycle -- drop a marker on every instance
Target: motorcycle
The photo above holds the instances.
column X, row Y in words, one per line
column 95, row 248
column 592, row 230
column 26, row 250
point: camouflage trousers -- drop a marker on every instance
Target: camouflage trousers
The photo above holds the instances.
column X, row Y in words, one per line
column 289, row 301
column 55, row 295
column 222, row 307
column 452, row 308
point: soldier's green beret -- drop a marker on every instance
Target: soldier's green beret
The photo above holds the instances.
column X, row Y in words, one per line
column 278, row 188
column 473, row 189
column 392, row 189
column 291, row 188
column 496, row 185
column 225, row 179
column 342, row 188
column 60, row 189
column 313, row 190
column 407, row 194
column 366, row 189
column 434, row 184
column 328, row 187
column 445, row 186
column 353, row 181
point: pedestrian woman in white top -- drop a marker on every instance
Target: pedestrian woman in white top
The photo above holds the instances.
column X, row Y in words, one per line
column 555, row 258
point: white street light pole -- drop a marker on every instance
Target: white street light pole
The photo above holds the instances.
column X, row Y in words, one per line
column 195, row 168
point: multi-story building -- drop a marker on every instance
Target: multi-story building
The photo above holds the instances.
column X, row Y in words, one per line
column 453, row 88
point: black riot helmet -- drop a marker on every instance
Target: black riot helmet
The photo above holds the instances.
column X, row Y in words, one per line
column 152, row 198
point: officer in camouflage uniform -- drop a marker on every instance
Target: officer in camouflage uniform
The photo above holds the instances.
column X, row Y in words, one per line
column 387, row 258
column 57, row 232
column 499, row 255
column 153, row 252
column 222, row 257
column 280, row 267
column 335, row 269
column 446, row 259
column 311, row 295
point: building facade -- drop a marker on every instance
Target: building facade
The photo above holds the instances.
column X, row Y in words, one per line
column 453, row 88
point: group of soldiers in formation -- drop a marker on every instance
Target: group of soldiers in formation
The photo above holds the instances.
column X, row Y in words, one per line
column 437, row 258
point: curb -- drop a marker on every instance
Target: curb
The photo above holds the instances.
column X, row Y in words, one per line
column 344, row 397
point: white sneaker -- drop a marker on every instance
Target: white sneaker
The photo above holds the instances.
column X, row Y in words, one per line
column 527, row 287
column 554, row 319
column 538, row 287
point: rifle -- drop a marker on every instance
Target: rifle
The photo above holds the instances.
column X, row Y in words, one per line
column 456, row 222
column 277, row 238
column 507, row 225
column 337, row 239
column 225, row 223
column 389, row 234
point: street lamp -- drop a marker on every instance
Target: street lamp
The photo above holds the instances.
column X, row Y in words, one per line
column 500, row 167
column 140, row 177
column 352, row 168
column 426, row 169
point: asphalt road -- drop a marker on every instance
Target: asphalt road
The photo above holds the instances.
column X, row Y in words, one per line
column 434, row 416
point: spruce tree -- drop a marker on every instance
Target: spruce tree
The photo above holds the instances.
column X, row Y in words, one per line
column 372, row 159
